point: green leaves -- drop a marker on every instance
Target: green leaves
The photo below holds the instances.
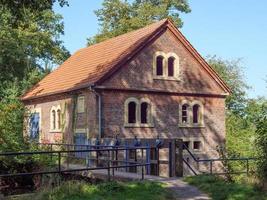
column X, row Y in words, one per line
column 119, row 16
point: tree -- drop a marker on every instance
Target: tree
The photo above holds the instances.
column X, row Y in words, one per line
column 261, row 143
column 29, row 44
column 29, row 39
column 232, row 73
column 119, row 16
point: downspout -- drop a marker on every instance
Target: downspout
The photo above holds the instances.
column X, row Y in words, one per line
column 92, row 88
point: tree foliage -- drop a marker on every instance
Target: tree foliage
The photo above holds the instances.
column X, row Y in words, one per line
column 232, row 73
column 29, row 38
column 29, row 45
column 261, row 143
column 119, row 16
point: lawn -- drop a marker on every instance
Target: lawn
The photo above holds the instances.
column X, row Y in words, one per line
column 104, row 191
column 219, row 189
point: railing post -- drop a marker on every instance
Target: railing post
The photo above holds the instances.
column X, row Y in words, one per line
column 247, row 167
column 157, row 154
column 68, row 154
column 142, row 164
column 108, row 165
column 51, row 149
column 211, row 171
column 59, row 166
column 179, row 158
column 112, row 159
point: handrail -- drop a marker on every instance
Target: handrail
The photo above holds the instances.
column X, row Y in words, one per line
column 59, row 155
column 189, row 166
column 216, row 159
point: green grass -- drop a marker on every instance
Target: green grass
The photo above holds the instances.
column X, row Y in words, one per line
column 105, row 191
column 219, row 189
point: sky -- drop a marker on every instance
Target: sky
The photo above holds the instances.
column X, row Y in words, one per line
column 228, row 29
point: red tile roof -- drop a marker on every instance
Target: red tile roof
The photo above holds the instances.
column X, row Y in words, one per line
column 89, row 65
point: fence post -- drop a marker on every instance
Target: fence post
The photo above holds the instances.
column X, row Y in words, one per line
column 143, row 164
column 247, row 167
column 108, row 165
column 211, row 167
column 172, row 158
column 179, row 158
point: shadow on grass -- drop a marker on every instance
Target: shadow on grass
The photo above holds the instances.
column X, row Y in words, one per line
column 74, row 190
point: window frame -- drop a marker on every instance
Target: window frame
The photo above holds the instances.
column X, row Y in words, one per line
column 138, row 113
column 80, row 108
column 190, row 123
column 52, row 127
column 176, row 66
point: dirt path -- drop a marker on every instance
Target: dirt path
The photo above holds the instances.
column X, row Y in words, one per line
column 181, row 189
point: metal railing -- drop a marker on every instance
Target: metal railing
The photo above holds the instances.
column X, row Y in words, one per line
column 211, row 161
column 90, row 149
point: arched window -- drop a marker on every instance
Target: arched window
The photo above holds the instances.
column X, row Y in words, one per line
column 185, row 117
column 144, row 113
column 171, row 61
column 58, row 119
column 53, row 119
column 196, row 114
column 159, row 66
column 131, row 112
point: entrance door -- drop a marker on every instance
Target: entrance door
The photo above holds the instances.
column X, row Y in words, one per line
column 80, row 139
column 34, row 126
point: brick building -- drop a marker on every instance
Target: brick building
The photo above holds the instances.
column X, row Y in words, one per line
column 147, row 83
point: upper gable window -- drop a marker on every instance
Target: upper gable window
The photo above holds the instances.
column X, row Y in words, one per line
column 171, row 66
column 80, row 104
column 166, row 66
column 159, row 67
column 132, row 112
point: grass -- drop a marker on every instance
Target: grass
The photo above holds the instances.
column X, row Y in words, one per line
column 105, row 191
column 219, row 189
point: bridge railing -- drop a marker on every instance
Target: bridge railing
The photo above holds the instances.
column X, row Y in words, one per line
column 61, row 167
column 211, row 162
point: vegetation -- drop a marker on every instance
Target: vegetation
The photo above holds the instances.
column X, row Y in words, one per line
column 219, row 189
column 107, row 191
column 261, row 141
column 30, row 46
column 119, row 16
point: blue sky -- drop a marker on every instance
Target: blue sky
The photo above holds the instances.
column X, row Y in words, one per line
column 229, row 29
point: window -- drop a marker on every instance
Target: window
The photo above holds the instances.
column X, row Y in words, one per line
column 53, row 119
column 185, row 113
column 166, row 66
column 138, row 113
column 197, row 145
column 191, row 114
column 144, row 113
column 196, row 114
column 58, row 119
column 80, row 104
column 171, row 66
column 132, row 112
column 159, row 68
